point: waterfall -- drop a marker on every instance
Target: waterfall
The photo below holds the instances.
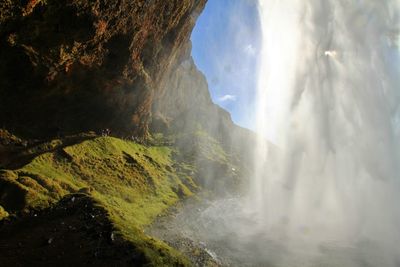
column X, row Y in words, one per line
column 326, row 183
column 328, row 98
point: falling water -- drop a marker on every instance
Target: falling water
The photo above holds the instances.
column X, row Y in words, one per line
column 327, row 193
column 329, row 98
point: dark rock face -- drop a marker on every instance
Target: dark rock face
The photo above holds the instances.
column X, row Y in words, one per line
column 73, row 65
column 75, row 232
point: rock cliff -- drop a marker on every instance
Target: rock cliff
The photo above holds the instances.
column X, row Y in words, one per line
column 73, row 65
column 183, row 110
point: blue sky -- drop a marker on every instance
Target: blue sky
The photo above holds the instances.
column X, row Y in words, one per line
column 226, row 41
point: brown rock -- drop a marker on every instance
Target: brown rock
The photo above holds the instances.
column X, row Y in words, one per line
column 88, row 65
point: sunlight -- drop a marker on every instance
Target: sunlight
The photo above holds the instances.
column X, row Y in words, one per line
column 280, row 38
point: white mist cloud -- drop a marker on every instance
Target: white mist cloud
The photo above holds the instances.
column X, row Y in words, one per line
column 227, row 98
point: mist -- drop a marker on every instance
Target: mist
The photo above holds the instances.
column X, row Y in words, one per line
column 328, row 97
column 321, row 182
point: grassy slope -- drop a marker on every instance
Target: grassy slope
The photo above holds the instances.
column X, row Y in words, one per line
column 133, row 182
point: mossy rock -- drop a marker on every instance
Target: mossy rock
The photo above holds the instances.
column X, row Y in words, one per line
column 132, row 182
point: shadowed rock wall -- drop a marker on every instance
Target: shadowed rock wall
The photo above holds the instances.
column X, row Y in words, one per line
column 72, row 65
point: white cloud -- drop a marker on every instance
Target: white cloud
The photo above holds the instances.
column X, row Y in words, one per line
column 250, row 50
column 227, row 98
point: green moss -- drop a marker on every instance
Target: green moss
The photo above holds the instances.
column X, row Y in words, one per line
column 3, row 213
column 134, row 183
column 210, row 148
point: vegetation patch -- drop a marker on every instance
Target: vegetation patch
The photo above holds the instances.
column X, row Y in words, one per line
column 3, row 213
column 134, row 184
